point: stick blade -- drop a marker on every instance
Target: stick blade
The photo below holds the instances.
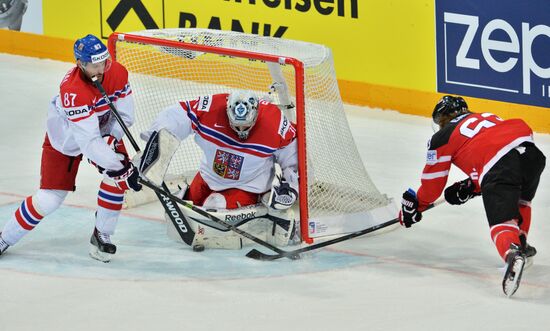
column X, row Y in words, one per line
column 257, row 255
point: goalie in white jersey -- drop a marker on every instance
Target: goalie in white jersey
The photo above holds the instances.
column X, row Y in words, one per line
column 80, row 124
column 244, row 139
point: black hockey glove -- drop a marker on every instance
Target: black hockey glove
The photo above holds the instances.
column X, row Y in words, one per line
column 460, row 192
column 409, row 214
column 126, row 178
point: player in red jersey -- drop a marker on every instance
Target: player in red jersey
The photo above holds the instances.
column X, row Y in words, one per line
column 503, row 165
column 80, row 124
column 242, row 138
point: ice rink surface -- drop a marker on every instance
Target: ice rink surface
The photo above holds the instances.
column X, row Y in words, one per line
column 442, row 274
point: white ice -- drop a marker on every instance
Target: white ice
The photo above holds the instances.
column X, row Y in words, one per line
column 442, row 274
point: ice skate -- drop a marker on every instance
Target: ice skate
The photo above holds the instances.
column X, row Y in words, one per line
column 3, row 245
column 102, row 249
column 528, row 250
column 515, row 262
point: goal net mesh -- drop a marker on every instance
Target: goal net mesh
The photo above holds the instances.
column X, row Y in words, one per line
column 337, row 182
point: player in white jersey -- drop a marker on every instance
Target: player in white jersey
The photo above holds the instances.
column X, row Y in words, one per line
column 80, row 124
column 242, row 138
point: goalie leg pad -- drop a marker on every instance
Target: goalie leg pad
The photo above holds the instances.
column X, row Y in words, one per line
column 283, row 229
column 210, row 238
column 213, row 235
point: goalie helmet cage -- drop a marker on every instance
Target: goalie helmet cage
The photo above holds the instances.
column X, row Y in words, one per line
column 170, row 65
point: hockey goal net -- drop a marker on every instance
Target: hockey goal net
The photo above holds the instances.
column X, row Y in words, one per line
column 168, row 65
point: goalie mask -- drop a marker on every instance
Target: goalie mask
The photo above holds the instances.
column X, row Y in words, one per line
column 242, row 111
column 448, row 108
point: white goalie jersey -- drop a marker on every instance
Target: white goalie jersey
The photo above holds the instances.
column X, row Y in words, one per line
column 229, row 162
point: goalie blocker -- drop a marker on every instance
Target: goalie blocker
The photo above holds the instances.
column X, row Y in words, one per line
column 156, row 157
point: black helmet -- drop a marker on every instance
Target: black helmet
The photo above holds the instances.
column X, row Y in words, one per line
column 449, row 106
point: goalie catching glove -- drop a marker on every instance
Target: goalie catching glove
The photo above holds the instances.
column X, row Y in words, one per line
column 284, row 192
column 409, row 214
column 284, row 196
column 460, row 192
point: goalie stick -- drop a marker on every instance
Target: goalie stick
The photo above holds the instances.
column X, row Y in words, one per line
column 169, row 197
column 257, row 255
column 217, row 220
column 170, row 207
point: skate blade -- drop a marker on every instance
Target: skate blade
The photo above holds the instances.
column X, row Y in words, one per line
column 510, row 284
column 528, row 263
column 96, row 254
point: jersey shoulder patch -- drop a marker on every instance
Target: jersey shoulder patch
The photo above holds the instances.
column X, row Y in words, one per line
column 275, row 119
column 204, row 103
column 76, row 101
column 76, row 114
column 431, row 157
column 284, row 126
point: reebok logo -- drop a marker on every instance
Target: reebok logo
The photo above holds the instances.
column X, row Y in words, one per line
column 240, row 217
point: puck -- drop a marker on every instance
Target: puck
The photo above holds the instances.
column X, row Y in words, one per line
column 198, row 248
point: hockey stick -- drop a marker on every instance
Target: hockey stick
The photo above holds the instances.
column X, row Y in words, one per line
column 171, row 208
column 217, row 220
column 257, row 255
column 166, row 197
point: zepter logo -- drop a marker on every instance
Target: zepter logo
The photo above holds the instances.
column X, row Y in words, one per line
column 494, row 49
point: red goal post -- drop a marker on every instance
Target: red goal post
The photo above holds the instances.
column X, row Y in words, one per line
column 177, row 64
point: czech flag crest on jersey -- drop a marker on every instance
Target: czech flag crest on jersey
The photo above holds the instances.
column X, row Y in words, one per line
column 228, row 165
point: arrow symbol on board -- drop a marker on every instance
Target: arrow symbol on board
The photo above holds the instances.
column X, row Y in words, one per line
column 124, row 7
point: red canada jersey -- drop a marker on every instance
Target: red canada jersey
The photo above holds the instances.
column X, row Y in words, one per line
column 473, row 143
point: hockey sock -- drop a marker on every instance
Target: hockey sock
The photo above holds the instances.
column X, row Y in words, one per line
column 109, row 201
column 503, row 235
column 525, row 212
column 32, row 210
